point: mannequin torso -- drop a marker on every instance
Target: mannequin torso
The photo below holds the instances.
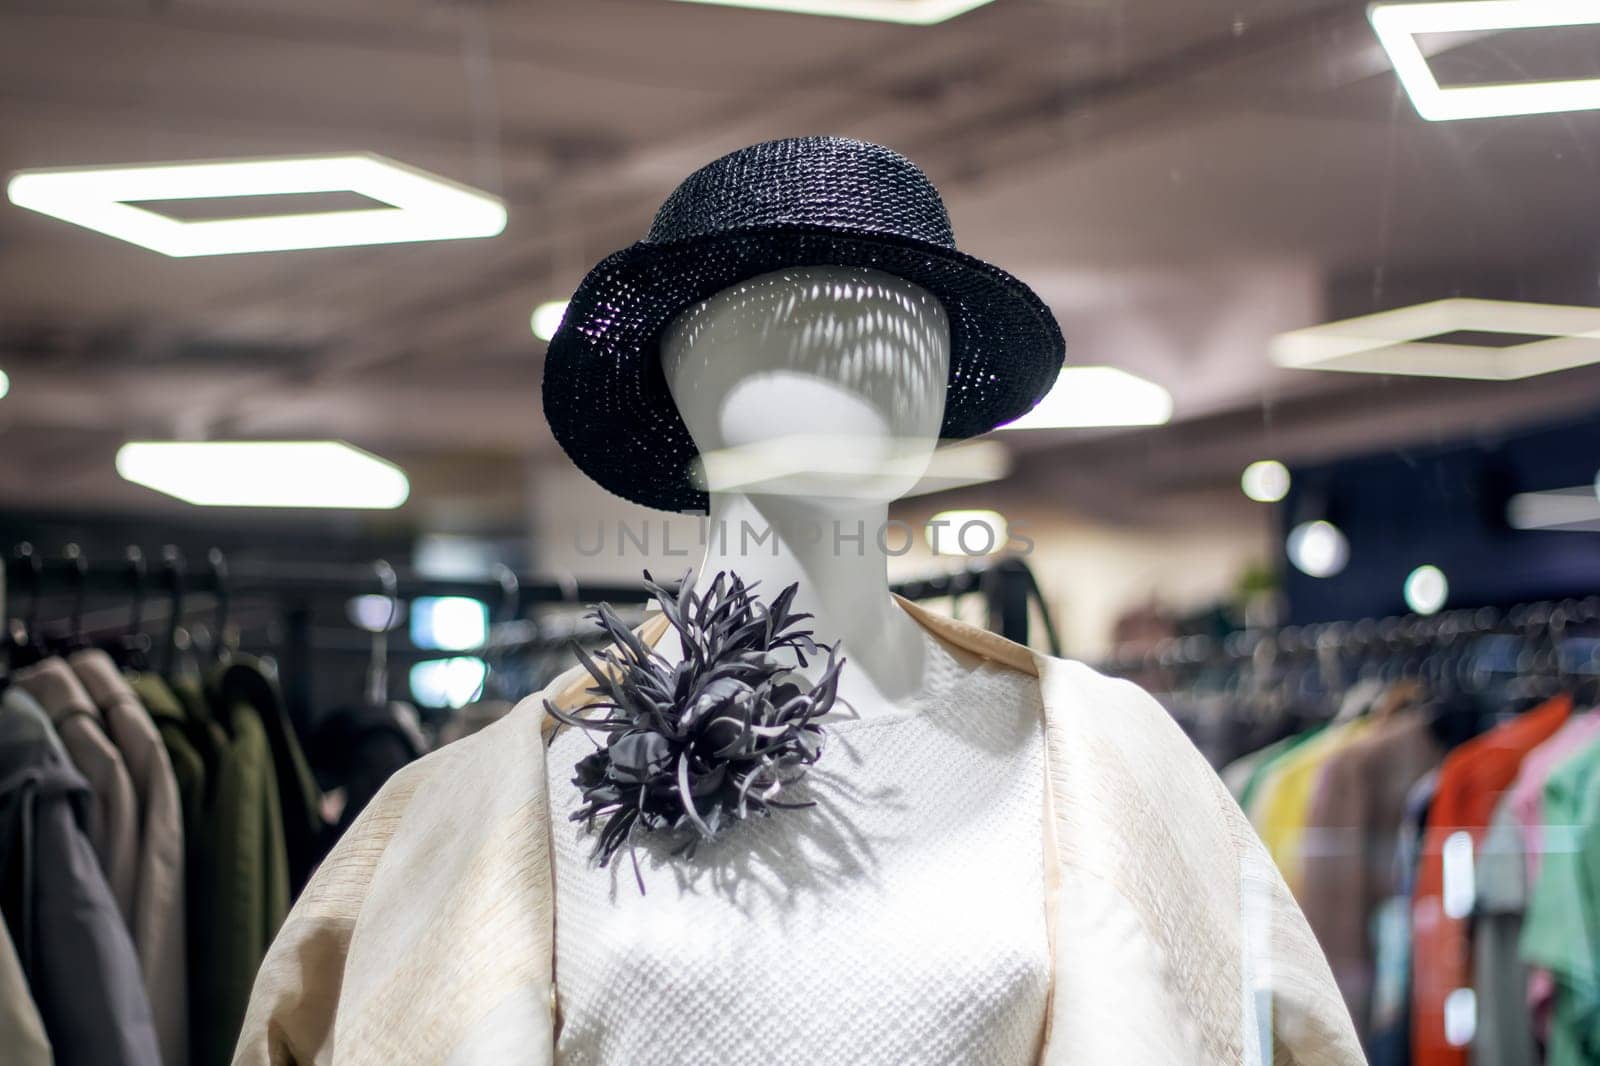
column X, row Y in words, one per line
column 905, row 909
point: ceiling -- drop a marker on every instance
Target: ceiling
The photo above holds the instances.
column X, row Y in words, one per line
column 1179, row 179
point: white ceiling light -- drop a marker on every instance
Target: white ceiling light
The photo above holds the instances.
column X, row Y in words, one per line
column 1086, row 397
column 1318, row 549
column 1426, row 590
column 416, row 205
column 5, row 384
column 453, row 623
column 1574, row 510
column 448, row 682
column 1555, row 337
column 315, row 473
column 547, row 318
column 374, row 613
column 1265, row 481
column 966, row 533
column 909, row 12
column 1397, row 27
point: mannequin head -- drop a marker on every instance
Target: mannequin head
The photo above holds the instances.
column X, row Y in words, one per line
column 812, row 381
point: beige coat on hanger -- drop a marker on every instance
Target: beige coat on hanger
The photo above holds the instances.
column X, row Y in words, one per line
column 427, row 937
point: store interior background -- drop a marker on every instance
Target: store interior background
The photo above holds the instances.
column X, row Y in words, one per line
column 1182, row 182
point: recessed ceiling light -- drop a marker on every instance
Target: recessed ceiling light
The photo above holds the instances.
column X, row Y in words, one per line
column 1086, row 397
column 308, row 473
column 1265, row 481
column 1426, row 590
column 5, row 384
column 451, row 623
column 547, row 318
column 910, row 12
column 374, row 613
column 1318, row 549
column 415, row 205
column 1488, row 340
column 448, row 682
column 1397, row 27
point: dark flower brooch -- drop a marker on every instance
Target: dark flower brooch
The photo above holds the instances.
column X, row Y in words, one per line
column 695, row 746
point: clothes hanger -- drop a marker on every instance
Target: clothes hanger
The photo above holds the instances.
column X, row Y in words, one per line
column 377, row 693
column 7, row 637
column 77, row 566
column 220, row 650
column 27, row 645
column 131, row 650
column 510, row 610
column 174, row 575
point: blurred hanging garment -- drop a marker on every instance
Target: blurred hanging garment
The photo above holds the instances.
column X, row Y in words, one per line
column 158, row 909
column 238, row 879
column 358, row 748
column 1389, row 1042
column 1561, row 931
column 191, row 753
column 113, row 818
column 1526, row 807
column 1471, row 781
column 1261, row 768
column 22, row 1034
column 1352, row 830
column 245, row 871
column 1283, row 799
column 71, row 940
column 1503, row 1035
column 15, row 701
column 243, row 683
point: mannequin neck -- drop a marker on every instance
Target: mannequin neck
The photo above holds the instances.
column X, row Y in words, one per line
column 833, row 549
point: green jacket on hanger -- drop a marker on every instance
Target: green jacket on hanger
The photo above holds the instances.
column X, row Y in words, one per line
column 238, row 868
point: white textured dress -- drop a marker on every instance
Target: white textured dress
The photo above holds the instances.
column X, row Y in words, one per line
column 901, row 920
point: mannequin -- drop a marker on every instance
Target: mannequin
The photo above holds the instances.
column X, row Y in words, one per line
column 1010, row 859
column 815, row 395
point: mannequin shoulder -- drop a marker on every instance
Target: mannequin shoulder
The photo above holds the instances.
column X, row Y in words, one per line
column 392, row 869
column 1115, row 722
column 1095, row 698
column 429, row 794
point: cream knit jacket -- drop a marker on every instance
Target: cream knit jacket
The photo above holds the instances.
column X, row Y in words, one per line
column 427, row 935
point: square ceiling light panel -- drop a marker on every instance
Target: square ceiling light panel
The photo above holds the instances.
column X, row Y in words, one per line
column 1398, row 26
column 295, row 473
column 1485, row 340
column 412, row 205
column 909, row 12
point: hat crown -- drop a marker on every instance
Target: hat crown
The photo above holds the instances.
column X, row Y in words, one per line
column 834, row 183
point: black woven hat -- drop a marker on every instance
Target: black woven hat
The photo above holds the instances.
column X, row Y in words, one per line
column 806, row 201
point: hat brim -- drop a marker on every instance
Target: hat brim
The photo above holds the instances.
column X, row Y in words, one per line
column 606, row 398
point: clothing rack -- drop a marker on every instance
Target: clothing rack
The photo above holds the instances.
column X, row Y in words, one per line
column 1008, row 585
column 170, row 591
column 1378, row 760
column 1549, row 618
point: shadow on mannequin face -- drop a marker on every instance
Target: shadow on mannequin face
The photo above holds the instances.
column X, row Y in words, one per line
column 825, row 382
